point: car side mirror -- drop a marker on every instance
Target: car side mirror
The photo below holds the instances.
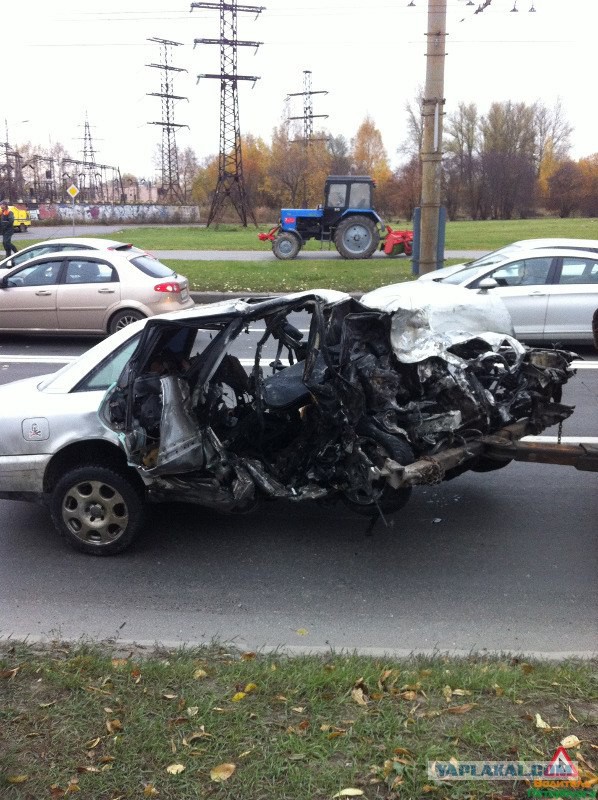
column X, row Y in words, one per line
column 485, row 284
column 3, row 282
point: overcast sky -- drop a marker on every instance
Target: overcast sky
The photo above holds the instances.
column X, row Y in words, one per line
column 64, row 58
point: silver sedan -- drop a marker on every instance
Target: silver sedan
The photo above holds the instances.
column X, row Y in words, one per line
column 551, row 294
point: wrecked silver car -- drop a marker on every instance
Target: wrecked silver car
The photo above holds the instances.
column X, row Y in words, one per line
column 377, row 395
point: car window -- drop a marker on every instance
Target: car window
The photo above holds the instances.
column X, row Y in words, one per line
column 85, row 271
column 43, row 274
column 152, row 267
column 526, row 272
column 108, row 371
column 27, row 255
column 462, row 276
column 579, row 270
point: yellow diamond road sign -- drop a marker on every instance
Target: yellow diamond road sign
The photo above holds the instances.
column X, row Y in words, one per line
column 73, row 191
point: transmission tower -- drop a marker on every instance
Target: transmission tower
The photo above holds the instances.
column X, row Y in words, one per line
column 308, row 109
column 231, row 183
column 170, row 190
column 88, row 179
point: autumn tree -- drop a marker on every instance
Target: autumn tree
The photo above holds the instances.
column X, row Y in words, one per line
column 564, row 189
column 368, row 153
column 588, row 202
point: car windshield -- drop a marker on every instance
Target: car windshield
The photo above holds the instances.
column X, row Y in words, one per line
column 489, row 260
column 462, row 275
column 152, row 267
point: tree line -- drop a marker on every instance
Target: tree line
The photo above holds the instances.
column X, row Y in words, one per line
column 511, row 162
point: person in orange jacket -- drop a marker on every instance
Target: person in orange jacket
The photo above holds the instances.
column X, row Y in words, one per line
column 7, row 222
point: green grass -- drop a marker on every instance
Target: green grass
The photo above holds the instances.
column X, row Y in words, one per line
column 74, row 719
column 291, row 276
column 459, row 235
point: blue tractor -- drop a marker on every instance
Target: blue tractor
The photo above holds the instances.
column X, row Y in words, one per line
column 347, row 218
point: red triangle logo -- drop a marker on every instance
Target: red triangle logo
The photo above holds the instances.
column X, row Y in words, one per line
column 561, row 766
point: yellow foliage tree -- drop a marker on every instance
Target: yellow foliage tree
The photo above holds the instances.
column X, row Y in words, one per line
column 368, row 154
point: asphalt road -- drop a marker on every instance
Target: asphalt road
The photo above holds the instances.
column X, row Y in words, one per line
column 498, row 561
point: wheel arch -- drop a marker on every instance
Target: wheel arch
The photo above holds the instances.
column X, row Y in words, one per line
column 96, row 451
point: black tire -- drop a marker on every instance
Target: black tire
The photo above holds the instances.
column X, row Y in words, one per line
column 286, row 246
column 595, row 328
column 98, row 510
column 123, row 318
column 357, row 237
column 22, row 228
column 380, row 446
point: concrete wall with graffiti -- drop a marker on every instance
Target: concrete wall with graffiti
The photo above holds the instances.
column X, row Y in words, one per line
column 152, row 212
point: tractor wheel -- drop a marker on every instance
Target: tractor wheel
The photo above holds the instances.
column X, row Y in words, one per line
column 286, row 246
column 357, row 237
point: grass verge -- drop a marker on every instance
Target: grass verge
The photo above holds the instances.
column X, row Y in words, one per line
column 216, row 723
column 466, row 235
column 292, row 276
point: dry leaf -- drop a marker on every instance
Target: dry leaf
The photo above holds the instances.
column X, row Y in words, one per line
column 427, row 788
column 527, row 668
column 408, row 695
column 348, row 793
column 570, row 741
column 169, row 696
column 541, row 724
column 238, row 696
column 199, row 674
column 192, row 711
column 113, row 725
column 9, row 673
column 47, row 705
column 175, row 769
column 461, row 709
column 251, row 687
column 248, row 656
column 107, row 759
column 359, row 697
column 149, row 790
column 56, row 791
column 222, row 772
column 447, row 693
column 303, row 725
column 93, row 743
column 119, row 662
column 461, row 693
column 571, row 717
column 301, row 631
column 17, row 778
column 402, row 751
column 298, row 709
column 82, row 770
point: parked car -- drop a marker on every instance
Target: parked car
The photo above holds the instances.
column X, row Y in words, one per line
column 85, row 292
column 511, row 251
column 374, row 386
column 551, row 293
column 60, row 245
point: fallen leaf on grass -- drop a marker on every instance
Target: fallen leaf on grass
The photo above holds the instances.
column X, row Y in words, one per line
column 570, row 741
column 461, row 693
column 9, row 673
column 200, row 674
column 447, row 693
column 169, row 696
column 248, row 656
column 297, row 757
column 571, row 717
column 119, row 662
column 408, row 695
column 175, row 769
column 82, row 770
column 93, row 743
column 149, row 790
column 251, row 687
column 359, row 697
column 527, row 668
column 56, row 791
column 17, row 778
column 192, row 711
column 464, row 709
column 301, row 631
column 113, row 725
column 238, row 696
column 222, row 772
column 193, row 737
column 348, row 793
column 402, row 751
column 544, row 726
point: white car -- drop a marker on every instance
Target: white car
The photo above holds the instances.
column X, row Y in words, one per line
column 73, row 243
column 551, row 293
column 511, row 251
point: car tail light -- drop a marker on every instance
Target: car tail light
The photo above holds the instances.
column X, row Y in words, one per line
column 168, row 286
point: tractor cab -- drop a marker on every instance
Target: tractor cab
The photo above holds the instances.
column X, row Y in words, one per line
column 343, row 192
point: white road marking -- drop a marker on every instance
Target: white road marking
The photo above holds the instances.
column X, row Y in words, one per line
column 584, row 364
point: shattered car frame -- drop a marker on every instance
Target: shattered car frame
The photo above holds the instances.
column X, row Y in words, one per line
column 381, row 395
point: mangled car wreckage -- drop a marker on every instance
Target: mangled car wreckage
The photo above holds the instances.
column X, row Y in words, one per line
column 404, row 387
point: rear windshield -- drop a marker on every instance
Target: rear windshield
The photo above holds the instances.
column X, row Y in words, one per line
column 152, row 267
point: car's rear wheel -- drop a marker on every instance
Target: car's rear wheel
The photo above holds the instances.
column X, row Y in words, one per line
column 123, row 318
column 98, row 510
column 380, row 495
column 22, row 228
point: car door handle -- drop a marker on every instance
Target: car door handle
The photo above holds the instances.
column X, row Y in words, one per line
column 106, row 291
column 43, row 293
column 538, row 293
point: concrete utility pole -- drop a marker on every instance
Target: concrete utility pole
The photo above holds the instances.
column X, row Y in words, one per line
column 431, row 152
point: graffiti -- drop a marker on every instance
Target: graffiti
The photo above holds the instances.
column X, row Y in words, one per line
column 62, row 212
